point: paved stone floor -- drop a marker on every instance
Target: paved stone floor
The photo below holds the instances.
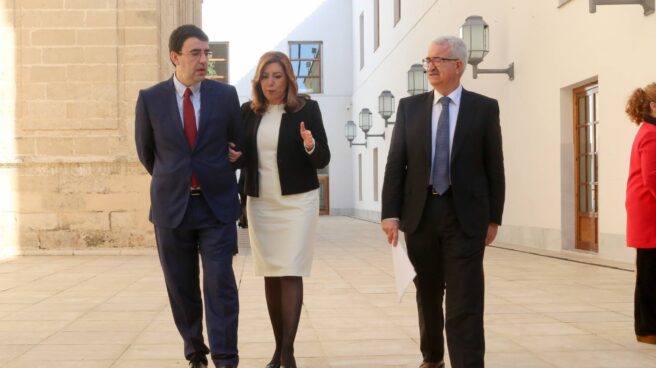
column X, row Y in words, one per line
column 99, row 311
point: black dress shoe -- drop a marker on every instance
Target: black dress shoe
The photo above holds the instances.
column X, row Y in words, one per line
column 197, row 360
column 272, row 365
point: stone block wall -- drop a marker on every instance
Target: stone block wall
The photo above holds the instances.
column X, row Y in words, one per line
column 68, row 86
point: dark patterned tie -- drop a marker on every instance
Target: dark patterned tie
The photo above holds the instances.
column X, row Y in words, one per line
column 440, row 175
column 189, row 115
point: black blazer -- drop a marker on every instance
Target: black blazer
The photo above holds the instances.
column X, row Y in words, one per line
column 477, row 172
column 297, row 168
column 163, row 150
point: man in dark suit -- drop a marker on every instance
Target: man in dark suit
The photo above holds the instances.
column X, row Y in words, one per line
column 444, row 188
column 183, row 129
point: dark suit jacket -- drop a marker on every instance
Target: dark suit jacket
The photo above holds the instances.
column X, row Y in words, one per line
column 297, row 168
column 165, row 153
column 477, row 173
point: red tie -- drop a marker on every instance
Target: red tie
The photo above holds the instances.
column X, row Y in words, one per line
column 190, row 127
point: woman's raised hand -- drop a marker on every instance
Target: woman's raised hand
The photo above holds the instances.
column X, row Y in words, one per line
column 306, row 135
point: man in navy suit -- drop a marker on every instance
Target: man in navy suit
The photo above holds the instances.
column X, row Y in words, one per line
column 183, row 129
column 445, row 188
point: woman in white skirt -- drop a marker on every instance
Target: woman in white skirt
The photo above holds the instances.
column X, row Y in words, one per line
column 285, row 144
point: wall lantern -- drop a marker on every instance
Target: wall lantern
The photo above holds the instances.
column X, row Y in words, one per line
column 417, row 82
column 350, row 132
column 475, row 33
column 386, row 106
column 366, row 122
column 647, row 5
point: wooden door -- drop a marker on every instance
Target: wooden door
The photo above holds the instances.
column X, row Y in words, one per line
column 324, row 198
column 587, row 184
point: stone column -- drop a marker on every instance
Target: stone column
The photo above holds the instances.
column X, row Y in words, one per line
column 70, row 76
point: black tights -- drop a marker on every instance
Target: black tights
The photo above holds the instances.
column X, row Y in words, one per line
column 284, row 296
column 645, row 292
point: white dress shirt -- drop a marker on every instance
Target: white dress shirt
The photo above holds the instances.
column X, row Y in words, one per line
column 195, row 98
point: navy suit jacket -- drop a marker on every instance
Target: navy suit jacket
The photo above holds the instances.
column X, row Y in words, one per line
column 163, row 150
column 477, row 172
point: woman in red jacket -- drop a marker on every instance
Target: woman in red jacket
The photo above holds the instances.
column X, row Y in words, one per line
column 641, row 209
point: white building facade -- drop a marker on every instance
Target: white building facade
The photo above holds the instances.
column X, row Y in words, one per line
column 566, row 137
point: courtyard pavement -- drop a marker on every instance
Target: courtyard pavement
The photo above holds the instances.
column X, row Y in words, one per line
column 108, row 308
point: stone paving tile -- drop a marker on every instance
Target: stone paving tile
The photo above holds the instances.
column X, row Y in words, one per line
column 89, row 338
column 405, row 361
column 522, row 359
column 354, row 348
column 104, row 309
column 150, row 363
column 566, row 343
column 9, row 352
column 599, row 359
column 153, row 351
column 22, row 363
column 55, row 353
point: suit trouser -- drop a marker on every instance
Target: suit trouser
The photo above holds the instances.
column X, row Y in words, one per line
column 201, row 233
column 645, row 292
column 446, row 259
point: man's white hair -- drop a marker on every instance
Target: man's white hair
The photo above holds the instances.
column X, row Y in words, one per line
column 457, row 48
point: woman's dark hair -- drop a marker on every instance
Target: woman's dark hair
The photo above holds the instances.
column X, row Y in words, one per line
column 638, row 106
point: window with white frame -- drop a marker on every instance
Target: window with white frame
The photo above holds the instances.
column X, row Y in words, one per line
column 306, row 61
column 376, row 24
column 359, row 176
column 397, row 11
column 375, row 174
column 361, row 40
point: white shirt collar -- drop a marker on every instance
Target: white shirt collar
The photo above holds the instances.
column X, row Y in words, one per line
column 180, row 88
column 454, row 96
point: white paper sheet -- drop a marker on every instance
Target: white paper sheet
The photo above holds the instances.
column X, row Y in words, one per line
column 404, row 273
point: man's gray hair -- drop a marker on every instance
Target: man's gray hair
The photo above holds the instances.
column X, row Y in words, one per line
column 457, row 47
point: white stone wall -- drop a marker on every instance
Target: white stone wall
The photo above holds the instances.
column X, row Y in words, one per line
column 554, row 50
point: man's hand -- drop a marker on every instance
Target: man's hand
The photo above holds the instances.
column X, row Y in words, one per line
column 233, row 155
column 491, row 233
column 391, row 229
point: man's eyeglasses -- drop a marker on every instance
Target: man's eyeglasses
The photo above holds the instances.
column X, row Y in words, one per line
column 195, row 54
column 437, row 61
